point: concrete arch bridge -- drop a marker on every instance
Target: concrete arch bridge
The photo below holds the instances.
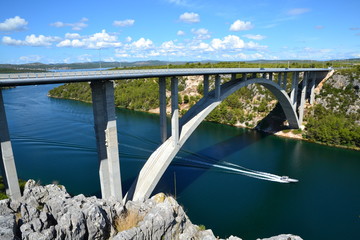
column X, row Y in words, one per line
column 303, row 83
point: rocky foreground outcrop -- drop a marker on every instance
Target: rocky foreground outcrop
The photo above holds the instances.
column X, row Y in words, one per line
column 49, row 212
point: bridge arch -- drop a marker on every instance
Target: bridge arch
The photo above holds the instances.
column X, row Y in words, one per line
column 158, row 162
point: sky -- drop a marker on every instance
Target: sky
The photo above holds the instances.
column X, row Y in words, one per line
column 70, row 31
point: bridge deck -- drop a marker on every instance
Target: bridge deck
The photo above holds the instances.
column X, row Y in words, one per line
column 20, row 79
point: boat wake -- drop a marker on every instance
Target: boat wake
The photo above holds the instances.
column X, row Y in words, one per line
column 192, row 159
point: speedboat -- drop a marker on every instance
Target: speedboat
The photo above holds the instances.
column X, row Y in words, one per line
column 287, row 179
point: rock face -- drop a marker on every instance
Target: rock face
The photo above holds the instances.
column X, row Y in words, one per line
column 49, row 212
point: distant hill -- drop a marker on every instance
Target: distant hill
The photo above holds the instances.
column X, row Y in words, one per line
column 87, row 65
column 91, row 65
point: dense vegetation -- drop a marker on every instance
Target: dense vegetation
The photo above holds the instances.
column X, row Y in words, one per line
column 3, row 190
column 334, row 120
column 13, row 70
column 332, row 128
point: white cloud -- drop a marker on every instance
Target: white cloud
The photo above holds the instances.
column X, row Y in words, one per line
column 254, row 37
column 202, row 47
column 85, row 58
column 229, row 42
column 74, row 26
column 142, row 43
column 228, row 47
column 109, row 59
column 10, row 41
column 189, row 17
column 31, row 40
column 239, row 25
column 254, row 46
column 41, row 40
column 30, row 58
column 95, row 41
column 13, row 24
column 124, row 23
column 71, row 43
column 178, row 2
column 168, row 45
column 201, row 33
column 297, row 11
column 72, row 36
column 180, row 33
column 128, row 39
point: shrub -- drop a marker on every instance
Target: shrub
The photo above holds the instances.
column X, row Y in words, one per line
column 129, row 220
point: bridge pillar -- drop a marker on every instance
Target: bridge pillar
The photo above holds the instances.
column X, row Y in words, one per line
column 162, row 100
column 279, row 79
column 244, row 77
column 294, row 89
column 7, row 164
column 312, row 88
column 284, row 81
column 271, row 76
column 206, row 85
column 174, row 110
column 233, row 76
column 303, row 97
column 217, row 86
column 106, row 139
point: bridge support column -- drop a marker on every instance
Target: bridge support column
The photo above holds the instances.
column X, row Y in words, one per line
column 162, row 100
column 174, row 110
column 244, row 77
column 7, row 165
column 294, row 89
column 217, row 86
column 206, row 85
column 312, row 88
column 284, row 81
column 106, row 139
column 279, row 79
column 271, row 76
column 233, row 76
column 303, row 97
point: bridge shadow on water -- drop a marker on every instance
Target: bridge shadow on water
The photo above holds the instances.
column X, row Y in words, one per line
column 188, row 166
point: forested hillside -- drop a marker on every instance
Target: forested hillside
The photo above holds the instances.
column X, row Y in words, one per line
column 334, row 119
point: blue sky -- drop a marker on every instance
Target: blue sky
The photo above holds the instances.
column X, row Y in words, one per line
column 177, row 30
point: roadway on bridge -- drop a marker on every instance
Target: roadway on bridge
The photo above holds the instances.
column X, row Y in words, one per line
column 86, row 76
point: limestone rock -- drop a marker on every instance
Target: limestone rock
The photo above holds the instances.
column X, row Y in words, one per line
column 49, row 212
column 7, row 226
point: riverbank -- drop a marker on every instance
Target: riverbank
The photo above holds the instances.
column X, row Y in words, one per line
column 288, row 133
column 49, row 212
column 333, row 120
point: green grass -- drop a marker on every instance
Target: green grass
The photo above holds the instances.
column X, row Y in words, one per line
column 3, row 189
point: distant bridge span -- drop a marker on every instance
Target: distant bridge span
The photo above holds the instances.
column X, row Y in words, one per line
column 273, row 79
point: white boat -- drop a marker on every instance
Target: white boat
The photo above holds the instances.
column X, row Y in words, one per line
column 287, row 179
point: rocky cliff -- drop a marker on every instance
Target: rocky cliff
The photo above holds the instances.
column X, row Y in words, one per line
column 49, row 212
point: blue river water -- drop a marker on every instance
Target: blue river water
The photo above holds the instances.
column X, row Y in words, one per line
column 53, row 141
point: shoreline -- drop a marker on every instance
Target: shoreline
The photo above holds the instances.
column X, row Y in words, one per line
column 281, row 134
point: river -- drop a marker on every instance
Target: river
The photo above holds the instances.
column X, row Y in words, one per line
column 53, row 141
